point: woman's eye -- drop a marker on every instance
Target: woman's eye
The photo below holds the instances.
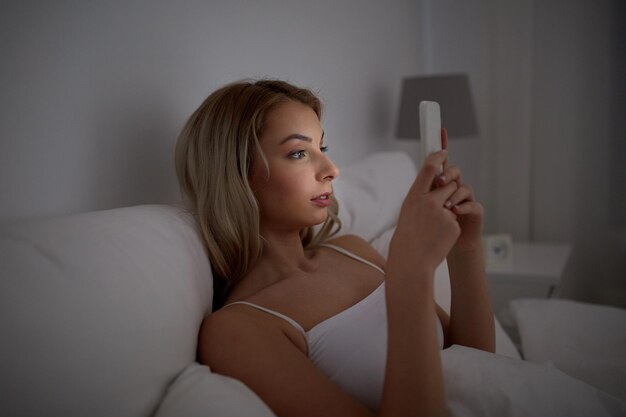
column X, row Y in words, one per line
column 324, row 148
column 297, row 154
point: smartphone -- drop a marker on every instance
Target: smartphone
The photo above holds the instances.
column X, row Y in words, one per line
column 430, row 129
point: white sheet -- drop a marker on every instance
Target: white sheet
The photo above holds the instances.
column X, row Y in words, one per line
column 482, row 384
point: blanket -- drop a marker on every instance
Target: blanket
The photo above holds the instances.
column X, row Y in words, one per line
column 478, row 383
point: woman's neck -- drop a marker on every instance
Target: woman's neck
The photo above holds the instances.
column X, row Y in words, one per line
column 283, row 257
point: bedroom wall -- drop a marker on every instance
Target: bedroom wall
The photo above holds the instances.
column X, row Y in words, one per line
column 548, row 162
column 577, row 188
column 489, row 40
column 94, row 93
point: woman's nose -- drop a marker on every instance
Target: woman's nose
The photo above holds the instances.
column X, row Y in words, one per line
column 329, row 170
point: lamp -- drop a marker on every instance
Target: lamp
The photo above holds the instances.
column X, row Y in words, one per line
column 451, row 91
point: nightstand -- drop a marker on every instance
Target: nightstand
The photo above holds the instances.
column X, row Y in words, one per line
column 535, row 271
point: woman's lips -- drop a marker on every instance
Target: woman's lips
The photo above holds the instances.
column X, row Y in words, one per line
column 322, row 201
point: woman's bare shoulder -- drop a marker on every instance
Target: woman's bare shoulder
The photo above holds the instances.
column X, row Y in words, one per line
column 360, row 247
column 243, row 327
column 218, row 325
column 226, row 328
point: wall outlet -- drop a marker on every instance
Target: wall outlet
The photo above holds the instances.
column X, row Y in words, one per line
column 498, row 249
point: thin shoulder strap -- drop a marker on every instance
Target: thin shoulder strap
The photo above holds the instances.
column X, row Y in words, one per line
column 352, row 255
column 272, row 312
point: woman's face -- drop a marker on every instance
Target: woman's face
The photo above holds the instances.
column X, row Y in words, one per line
column 299, row 171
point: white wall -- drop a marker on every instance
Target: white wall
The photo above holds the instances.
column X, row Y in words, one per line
column 544, row 163
column 574, row 137
column 489, row 40
column 450, row 43
column 94, row 93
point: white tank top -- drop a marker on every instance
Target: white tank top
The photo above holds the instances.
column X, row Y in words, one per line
column 351, row 346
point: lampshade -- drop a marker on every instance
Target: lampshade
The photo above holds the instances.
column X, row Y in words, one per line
column 451, row 91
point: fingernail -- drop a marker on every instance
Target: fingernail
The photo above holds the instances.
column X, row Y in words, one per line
column 442, row 179
column 448, row 204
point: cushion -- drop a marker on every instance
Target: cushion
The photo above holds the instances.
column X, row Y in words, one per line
column 99, row 311
column 371, row 191
column 198, row 391
column 586, row 341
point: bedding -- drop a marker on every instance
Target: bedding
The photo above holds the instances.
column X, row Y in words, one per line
column 198, row 391
column 478, row 383
column 586, row 341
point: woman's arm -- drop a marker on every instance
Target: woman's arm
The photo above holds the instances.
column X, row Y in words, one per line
column 471, row 318
column 425, row 233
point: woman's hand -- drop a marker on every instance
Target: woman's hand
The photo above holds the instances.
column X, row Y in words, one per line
column 463, row 204
column 426, row 229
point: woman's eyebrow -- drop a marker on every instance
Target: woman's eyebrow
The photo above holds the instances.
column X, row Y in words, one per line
column 298, row 136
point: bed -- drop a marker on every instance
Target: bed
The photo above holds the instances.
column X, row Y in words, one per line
column 99, row 314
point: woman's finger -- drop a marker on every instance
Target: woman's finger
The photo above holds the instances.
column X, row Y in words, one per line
column 468, row 207
column 463, row 194
column 428, row 172
column 444, row 144
column 444, row 193
column 451, row 173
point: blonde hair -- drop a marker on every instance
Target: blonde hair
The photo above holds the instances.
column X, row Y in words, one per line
column 214, row 154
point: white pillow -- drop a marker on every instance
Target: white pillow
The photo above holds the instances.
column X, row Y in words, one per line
column 370, row 193
column 199, row 392
column 99, row 311
column 586, row 341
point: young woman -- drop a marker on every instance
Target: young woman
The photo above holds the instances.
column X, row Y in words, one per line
column 319, row 326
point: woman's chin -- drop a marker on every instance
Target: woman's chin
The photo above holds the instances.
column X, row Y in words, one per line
column 318, row 220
